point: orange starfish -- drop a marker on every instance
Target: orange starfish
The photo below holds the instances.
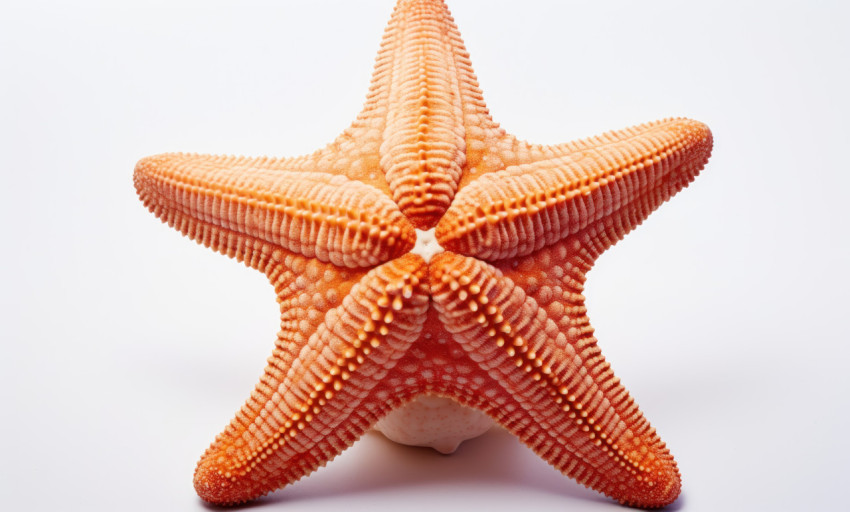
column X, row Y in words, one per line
column 496, row 321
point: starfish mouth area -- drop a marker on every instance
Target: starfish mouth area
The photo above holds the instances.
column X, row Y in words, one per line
column 426, row 244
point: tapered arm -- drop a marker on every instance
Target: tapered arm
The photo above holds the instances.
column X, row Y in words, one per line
column 619, row 177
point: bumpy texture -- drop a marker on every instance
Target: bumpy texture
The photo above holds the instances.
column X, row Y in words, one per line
column 496, row 321
column 436, row 422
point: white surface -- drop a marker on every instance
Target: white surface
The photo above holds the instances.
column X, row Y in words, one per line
column 126, row 348
column 426, row 244
column 434, row 421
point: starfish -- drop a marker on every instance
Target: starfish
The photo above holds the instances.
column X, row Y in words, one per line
column 427, row 253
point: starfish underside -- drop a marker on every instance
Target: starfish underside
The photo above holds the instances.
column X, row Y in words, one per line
column 496, row 321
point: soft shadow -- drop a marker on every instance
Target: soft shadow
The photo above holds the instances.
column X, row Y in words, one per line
column 679, row 504
column 496, row 459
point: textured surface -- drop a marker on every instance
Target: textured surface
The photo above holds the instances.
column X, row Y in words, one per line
column 436, row 422
column 496, row 322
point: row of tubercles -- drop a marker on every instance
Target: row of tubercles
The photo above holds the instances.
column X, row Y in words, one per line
column 422, row 154
column 422, row 193
column 372, row 335
column 568, row 187
column 500, row 332
column 186, row 192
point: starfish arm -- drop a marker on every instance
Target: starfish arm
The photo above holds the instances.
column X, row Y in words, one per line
column 571, row 410
column 230, row 204
column 423, row 104
column 615, row 179
column 320, row 394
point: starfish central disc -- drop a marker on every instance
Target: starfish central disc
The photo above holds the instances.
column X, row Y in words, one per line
column 426, row 244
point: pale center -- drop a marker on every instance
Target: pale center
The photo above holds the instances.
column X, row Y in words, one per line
column 426, row 244
column 434, row 421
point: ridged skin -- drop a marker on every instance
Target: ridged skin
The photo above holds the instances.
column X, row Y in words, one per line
column 497, row 321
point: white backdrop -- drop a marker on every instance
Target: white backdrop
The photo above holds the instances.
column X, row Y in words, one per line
column 126, row 348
